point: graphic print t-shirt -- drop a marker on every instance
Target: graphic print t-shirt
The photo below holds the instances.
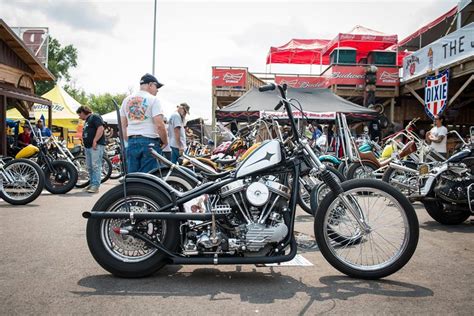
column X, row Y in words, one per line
column 139, row 109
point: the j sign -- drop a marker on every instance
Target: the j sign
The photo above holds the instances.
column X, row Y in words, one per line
column 436, row 93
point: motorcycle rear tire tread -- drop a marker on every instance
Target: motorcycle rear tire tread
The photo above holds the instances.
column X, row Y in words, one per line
column 113, row 265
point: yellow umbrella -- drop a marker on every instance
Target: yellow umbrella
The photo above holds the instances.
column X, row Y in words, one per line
column 64, row 109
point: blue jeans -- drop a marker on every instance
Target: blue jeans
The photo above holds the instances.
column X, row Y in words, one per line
column 174, row 154
column 94, row 164
column 139, row 158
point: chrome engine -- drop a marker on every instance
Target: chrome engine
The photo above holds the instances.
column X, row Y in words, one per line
column 255, row 210
column 452, row 186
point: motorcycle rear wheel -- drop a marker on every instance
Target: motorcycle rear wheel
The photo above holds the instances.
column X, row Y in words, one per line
column 381, row 251
column 123, row 255
column 438, row 212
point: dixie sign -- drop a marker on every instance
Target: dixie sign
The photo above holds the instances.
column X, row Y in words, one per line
column 436, row 93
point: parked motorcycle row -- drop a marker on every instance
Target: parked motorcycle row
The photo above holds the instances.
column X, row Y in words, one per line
column 50, row 165
column 237, row 205
column 444, row 186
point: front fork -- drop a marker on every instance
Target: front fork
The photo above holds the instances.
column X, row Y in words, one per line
column 336, row 187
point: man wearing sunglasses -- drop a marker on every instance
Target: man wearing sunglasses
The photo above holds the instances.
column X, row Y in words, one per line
column 141, row 115
column 436, row 137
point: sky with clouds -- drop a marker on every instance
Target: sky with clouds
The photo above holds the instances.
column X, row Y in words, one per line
column 115, row 38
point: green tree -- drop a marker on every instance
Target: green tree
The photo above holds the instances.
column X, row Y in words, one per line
column 103, row 103
column 60, row 61
column 78, row 94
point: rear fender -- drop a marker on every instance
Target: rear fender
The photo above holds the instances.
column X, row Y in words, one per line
column 329, row 158
column 153, row 181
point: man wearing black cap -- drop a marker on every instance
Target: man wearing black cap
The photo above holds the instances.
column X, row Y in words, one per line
column 142, row 115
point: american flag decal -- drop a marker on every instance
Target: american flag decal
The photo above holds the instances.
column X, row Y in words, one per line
column 436, row 93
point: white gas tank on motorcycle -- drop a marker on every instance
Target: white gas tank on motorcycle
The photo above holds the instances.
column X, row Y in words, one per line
column 267, row 155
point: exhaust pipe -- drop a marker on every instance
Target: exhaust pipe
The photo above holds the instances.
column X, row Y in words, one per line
column 403, row 168
column 406, row 186
column 151, row 215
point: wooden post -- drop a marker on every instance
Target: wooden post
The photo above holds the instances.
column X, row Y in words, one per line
column 3, row 125
column 392, row 109
column 416, row 95
column 50, row 116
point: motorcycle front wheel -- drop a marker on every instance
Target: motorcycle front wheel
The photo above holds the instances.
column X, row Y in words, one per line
column 381, row 250
column 117, row 171
column 61, row 178
column 27, row 185
column 81, row 166
column 358, row 170
column 124, row 255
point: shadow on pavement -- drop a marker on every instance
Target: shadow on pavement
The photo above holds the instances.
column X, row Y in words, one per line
column 252, row 287
column 76, row 193
column 434, row 226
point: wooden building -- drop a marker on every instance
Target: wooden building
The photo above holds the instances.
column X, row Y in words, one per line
column 19, row 69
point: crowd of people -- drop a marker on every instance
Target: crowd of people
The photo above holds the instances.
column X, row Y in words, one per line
column 144, row 126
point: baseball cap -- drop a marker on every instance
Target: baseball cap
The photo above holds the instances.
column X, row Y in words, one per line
column 185, row 106
column 147, row 78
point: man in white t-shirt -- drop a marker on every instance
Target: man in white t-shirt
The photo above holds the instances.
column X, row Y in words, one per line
column 437, row 136
column 141, row 116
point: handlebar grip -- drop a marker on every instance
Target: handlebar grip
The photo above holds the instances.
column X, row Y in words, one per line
column 278, row 106
column 267, row 87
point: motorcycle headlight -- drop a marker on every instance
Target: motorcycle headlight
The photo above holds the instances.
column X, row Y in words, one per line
column 424, row 169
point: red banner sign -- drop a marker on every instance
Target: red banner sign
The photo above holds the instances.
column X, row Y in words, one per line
column 229, row 77
column 355, row 75
column 298, row 115
column 302, row 82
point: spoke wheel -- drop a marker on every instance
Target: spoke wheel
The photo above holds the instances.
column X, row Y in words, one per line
column 27, row 184
column 388, row 243
column 121, row 253
column 125, row 247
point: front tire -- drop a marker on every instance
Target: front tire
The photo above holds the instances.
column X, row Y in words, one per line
column 398, row 177
column 83, row 178
column 124, row 255
column 62, row 178
column 385, row 247
column 28, row 183
column 358, row 170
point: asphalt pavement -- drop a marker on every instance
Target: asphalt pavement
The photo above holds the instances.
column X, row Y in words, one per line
column 46, row 268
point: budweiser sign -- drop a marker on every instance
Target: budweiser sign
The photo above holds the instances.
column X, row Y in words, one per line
column 347, row 75
column 302, row 82
column 229, row 77
column 355, row 75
